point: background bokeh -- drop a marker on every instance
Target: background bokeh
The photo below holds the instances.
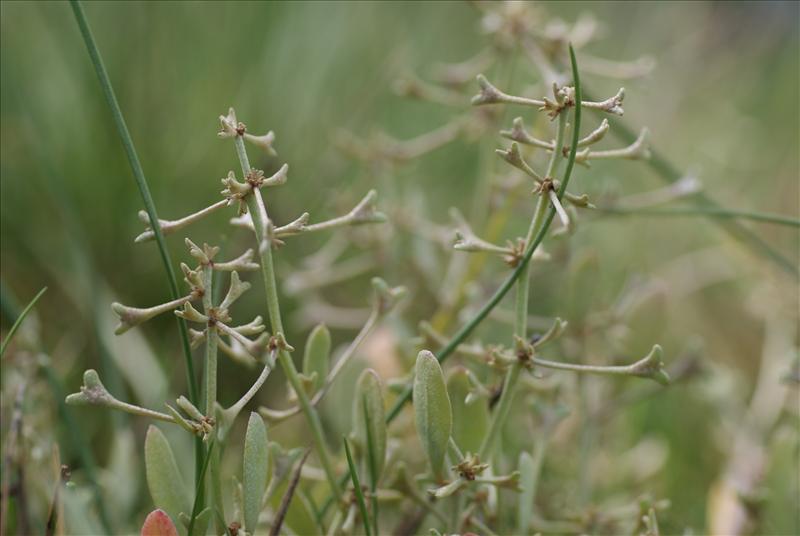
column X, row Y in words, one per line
column 721, row 103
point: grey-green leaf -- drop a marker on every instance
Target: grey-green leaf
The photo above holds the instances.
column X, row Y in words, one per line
column 369, row 420
column 470, row 419
column 256, row 468
column 316, row 356
column 432, row 411
column 163, row 478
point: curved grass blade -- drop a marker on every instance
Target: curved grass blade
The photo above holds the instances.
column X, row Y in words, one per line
column 150, row 208
column 18, row 321
column 196, row 507
column 287, row 497
column 362, row 506
column 500, row 293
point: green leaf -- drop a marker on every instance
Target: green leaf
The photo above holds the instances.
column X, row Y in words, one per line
column 432, row 411
column 256, row 467
column 369, row 421
column 163, row 478
column 316, row 356
column 470, row 419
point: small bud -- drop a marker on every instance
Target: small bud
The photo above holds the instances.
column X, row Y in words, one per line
column 652, row 366
column 228, row 125
column 191, row 314
column 293, row 228
column 488, row 95
column 265, row 142
column 386, row 298
column 242, row 262
column 196, row 338
column 366, row 211
column 254, row 327
column 133, row 316
column 190, row 409
column 92, row 392
column 236, row 289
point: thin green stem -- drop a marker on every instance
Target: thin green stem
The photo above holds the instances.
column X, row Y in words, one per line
column 500, row 293
column 18, row 321
column 258, row 212
column 765, row 217
column 670, row 174
column 212, row 345
column 523, row 290
column 150, row 208
column 357, row 489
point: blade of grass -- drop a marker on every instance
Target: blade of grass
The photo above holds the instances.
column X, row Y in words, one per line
column 669, row 173
column 75, row 436
column 362, row 506
column 198, row 496
column 764, row 217
column 287, row 497
column 373, row 480
column 19, row 320
column 500, row 293
column 144, row 190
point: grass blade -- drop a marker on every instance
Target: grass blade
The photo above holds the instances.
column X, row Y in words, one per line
column 19, row 320
column 500, row 293
column 708, row 212
column 198, row 501
column 362, row 506
column 144, row 190
column 287, row 497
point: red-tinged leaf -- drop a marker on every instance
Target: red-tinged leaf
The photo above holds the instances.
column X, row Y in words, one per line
column 158, row 523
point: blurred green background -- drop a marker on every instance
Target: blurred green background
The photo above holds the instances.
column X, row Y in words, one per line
column 722, row 103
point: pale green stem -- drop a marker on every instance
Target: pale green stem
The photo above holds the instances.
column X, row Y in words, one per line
column 520, row 329
column 212, row 343
column 258, row 212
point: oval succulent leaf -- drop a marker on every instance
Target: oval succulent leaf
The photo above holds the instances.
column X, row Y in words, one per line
column 370, row 421
column 432, row 412
column 470, row 418
column 163, row 478
column 316, row 356
column 158, row 523
column 256, row 466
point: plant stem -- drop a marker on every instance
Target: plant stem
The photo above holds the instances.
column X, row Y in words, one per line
column 500, row 293
column 258, row 212
column 212, row 345
column 709, row 212
column 18, row 321
column 144, row 190
column 671, row 174
column 523, row 290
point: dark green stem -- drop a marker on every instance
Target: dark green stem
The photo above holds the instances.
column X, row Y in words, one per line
column 144, row 190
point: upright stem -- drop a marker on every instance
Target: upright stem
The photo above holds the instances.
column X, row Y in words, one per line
column 144, row 190
column 258, row 212
column 523, row 288
column 212, row 344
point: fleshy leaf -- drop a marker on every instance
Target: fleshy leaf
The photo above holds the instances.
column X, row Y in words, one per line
column 256, row 467
column 470, row 417
column 369, row 420
column 316, row 356
column 432, row 412
column 158, row 523
column 163, row 478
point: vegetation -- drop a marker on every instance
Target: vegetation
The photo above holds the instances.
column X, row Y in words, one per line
column 380, row 378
